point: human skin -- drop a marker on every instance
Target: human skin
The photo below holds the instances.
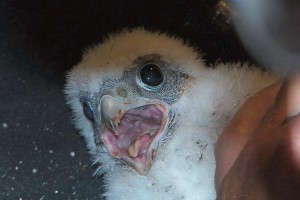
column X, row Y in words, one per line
column 258, row 153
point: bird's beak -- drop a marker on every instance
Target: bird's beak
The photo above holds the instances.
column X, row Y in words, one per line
column 132, row 129
column 113, row 109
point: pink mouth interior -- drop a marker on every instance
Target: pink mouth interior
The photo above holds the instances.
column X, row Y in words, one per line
column 137, row 129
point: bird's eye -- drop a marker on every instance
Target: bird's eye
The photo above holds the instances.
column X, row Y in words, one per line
column 88, row 111
column 151, row 75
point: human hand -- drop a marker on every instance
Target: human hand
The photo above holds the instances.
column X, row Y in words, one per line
column 258, row 154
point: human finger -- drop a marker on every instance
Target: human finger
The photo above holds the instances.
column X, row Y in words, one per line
column 268, row 170
column 241, row 127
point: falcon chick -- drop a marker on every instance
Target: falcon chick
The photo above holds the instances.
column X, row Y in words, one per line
column 150, row 112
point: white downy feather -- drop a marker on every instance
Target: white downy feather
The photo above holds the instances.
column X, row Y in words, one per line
column 185, row 165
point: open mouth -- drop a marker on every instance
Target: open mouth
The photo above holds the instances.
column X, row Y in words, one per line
column 135, row 135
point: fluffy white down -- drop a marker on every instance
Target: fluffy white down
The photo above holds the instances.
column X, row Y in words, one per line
column 185, row 165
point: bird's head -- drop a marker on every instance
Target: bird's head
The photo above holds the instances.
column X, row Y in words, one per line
column 123, row 93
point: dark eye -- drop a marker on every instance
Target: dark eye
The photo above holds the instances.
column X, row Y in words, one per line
column 151, row 75
column 88, row 111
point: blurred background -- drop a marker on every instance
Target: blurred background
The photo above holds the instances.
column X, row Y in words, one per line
column 41, row 154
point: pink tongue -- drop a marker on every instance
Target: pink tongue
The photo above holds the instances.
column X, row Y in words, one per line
column 139, row 146
column 136, row 129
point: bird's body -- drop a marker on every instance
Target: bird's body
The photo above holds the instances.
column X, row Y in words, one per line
column 188, row 104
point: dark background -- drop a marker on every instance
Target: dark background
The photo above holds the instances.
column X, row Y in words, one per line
column 41, row 155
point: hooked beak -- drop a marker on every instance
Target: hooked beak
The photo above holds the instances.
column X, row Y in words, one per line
column 133, row 128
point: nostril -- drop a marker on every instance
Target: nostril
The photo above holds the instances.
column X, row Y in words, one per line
column 122, row 92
